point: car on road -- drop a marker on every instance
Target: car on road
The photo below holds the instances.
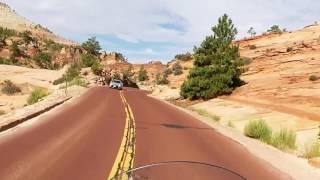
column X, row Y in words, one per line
column 116, row 84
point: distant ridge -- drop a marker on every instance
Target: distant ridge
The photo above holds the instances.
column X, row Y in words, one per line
column 11, row 20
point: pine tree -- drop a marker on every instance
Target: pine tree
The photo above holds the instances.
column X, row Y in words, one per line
column 143, row 74
column 127, row 76
column 15, row 52
column 92, row 46
column 217, row 64
column 252, row 32
column 274, row 29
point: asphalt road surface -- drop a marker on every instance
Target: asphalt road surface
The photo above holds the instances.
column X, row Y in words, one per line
column 106, row 132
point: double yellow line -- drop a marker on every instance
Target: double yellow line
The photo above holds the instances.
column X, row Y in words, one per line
column 125, row 156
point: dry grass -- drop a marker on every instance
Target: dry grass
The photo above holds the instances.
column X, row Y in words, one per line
column 36, row 95
column 284, row 140
column 312, row 150
column 205, row 113
column 258, row 129
column 230, row 124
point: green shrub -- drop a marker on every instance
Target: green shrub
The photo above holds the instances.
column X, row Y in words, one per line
column 284, row 140
column 230, row 124
column 36, row 95
column 51, row 45
column 4, row 34
column 43, row 60
column 205, row 113
column 15, row 52
column 27, row 37
column 252, row 32
column 97, row 68
column 258, row 129
column 289, row 49
column 252, row 47
column 10, row 88
column 162, row 79
column 78, row 81
column 168, row 71
column 178, row 72
column 247, row 61
column 274, row 29
column 217, row 65
column 143, row 74
column 313, row 78
column 268, row 50
column 184, row 57
column 127, row 77
column 120, row 57
column 4, row 61
column 92, row 46
column 59, row 80
column 177, row 69
column 72, row 72
column 312, row 150
column 116, row 75
column 2, row 112
column 88, row 60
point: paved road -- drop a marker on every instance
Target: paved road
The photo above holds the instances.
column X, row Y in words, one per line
column 81, row 140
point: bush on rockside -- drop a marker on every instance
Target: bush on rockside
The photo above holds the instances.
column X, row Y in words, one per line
column 4, row 34
column 284, row 139
column 161, row 79
column 2, row 112
column 142, row 74
column 43, row 60
column 258, row 129
column 177, row 69
column 9, row 88
column 312, row 150
column 313, row 78
column 252, row 47
column 207, row 114
column 72, row 72
column 36, row 95
column 184, row 57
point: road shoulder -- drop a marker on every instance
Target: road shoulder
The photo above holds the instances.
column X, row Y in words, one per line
column 297, row 168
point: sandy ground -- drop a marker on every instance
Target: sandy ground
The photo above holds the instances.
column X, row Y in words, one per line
column 36, row 77
column 27, row 79
column 55, row 97
column 240, row 114
column 164, row 92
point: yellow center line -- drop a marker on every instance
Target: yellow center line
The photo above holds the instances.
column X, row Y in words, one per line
column 125, row 155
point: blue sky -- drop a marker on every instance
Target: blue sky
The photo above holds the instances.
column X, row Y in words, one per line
column 145, row 30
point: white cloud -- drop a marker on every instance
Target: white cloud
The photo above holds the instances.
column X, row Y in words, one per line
column 146, row 51
column 149, row 51
column 140, row 20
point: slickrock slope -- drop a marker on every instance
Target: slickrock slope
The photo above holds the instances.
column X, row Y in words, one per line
column 281, row 67
column 11, row 20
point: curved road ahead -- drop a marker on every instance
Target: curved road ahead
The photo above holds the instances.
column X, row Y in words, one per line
column 105, row 130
